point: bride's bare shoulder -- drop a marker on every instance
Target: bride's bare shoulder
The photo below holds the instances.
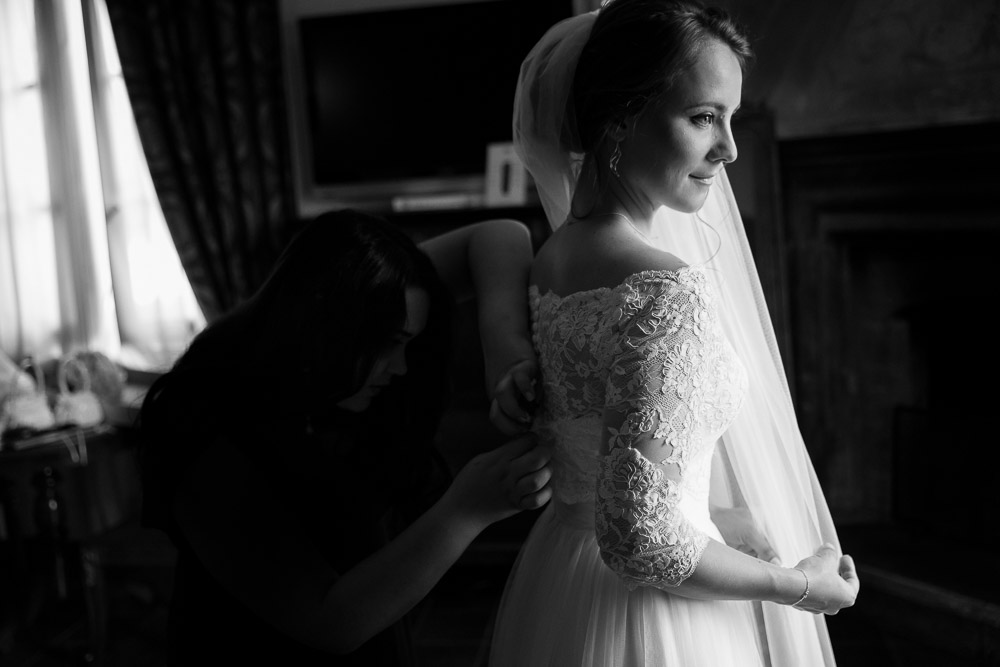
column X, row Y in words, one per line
column 644, row 257
column 569, row 263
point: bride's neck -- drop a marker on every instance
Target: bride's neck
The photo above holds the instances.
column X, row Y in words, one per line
column 596, row 198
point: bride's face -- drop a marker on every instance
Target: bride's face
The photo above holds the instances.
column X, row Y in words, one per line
column 680, row 144
column 392, row 361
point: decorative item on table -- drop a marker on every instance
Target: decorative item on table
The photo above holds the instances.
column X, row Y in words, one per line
column 76, row 404
column 506, row 176
column 107, row 379
column 13, row 378
column 26, row 410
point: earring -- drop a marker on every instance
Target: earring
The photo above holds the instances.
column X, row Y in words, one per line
column 616, row 155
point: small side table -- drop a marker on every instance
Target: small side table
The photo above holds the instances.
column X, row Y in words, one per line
column 62, row 490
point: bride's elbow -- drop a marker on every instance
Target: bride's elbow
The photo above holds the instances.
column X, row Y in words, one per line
column 656, row 570
column 626, row 566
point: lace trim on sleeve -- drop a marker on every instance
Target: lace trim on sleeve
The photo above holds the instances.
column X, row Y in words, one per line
column 643, row 535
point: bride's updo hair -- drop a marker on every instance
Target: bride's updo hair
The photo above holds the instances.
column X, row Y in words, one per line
column 636, row 51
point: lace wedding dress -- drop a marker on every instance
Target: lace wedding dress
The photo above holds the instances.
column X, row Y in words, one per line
column 591, row 586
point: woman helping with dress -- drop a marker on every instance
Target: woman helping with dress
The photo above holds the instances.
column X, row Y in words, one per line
column 680, row 479
column 289, row 453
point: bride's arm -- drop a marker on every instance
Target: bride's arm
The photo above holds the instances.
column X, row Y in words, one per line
column 647, row 540
column 643, row 533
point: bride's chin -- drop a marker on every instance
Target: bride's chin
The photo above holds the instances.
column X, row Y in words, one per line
column 686, row 202
column 687, row 206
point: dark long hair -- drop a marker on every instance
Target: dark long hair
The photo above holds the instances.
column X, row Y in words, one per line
column 310, row 335
column 636, row 51
column 270, row 372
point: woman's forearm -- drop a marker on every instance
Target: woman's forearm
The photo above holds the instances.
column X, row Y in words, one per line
column 385, row 586
column 246, row 538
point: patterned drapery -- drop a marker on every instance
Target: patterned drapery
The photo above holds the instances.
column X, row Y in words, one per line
column 204, row 79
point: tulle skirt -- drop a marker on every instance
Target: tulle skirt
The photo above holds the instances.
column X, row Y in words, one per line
column 562, row 606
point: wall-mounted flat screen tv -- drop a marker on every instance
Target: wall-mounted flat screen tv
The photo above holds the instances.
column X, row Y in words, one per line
column 401, row 97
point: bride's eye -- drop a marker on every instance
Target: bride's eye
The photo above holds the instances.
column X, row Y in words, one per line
column 703, row 119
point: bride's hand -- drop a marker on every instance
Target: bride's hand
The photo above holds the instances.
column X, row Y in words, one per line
column 742, row 532
column 514, row 397
column 833, row 581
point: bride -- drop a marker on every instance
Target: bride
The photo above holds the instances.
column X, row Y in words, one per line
column 680, row 479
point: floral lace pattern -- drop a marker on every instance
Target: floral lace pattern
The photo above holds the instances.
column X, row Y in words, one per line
column 652, row 351
column 642, row 535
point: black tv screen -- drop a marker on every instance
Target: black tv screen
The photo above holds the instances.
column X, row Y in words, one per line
column 415, row 93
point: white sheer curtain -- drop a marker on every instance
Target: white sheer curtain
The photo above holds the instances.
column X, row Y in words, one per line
column 85, row 257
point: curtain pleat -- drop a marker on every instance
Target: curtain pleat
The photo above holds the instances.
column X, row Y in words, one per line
column 204, row 81
column 84, row 279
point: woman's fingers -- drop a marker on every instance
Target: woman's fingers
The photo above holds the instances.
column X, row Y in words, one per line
column 507, row 401
column 511, row 399
column 529, row 474
column 506, row 423
column 828, row 553
column 849, row 572
column 834, row 577
column 511, row 410
column 533, row 501
column 531, row 459
column 760, row 545
column 522, row 377
column 532, row 481
column 515, row 449
column 765, row 551
column 510, row 402
column 524, row 380
column 532, row 473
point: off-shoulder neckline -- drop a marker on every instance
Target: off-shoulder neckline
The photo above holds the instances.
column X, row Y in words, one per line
column 673, row 274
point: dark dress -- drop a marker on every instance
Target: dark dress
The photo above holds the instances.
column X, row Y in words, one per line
column 207, row 624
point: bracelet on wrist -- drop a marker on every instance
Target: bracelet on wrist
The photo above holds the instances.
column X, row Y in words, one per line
column 805, row 593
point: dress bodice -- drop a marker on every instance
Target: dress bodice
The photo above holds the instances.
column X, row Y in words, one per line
column 688, row 385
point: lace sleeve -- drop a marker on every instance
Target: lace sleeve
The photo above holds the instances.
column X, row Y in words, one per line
column 643, row 535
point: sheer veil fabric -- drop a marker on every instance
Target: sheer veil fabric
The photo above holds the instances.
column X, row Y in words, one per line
column 761, row 461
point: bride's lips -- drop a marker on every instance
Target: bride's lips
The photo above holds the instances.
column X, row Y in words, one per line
column 704, row 180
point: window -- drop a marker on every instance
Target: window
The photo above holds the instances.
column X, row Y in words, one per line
column 85, row 257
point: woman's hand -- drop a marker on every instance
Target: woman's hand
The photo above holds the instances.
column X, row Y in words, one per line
column 833, row 581
column 742, row 532
column 502, row 482
column 513, row 398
